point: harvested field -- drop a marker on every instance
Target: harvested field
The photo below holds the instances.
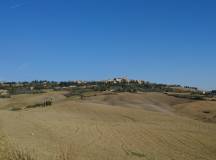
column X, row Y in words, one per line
column 124, row 126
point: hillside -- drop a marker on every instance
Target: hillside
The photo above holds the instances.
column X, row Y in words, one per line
column 121, row 126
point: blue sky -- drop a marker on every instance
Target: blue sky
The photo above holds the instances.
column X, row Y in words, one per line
column 169, row 41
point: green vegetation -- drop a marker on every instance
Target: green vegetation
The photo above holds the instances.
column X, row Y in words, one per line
column 132, row 87
column 79, row 92
column 16, row 109
column 34, row 105
column 82, row 89
column 138, row 154
column 47, row 102
column 189, row 96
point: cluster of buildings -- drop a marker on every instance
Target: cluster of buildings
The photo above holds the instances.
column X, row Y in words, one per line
column 4, row 93
column 124, row 80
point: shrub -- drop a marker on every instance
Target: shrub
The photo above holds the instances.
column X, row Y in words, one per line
column 34, row 106
column 48, row 103
column 16, row 109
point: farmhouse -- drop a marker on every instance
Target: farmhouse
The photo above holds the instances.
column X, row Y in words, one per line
column 4, row 92
column 120, row 80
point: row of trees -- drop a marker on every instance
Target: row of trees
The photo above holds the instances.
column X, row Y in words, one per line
column 132, row 87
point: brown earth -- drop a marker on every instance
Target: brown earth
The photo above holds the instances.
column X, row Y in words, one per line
column 124, row 126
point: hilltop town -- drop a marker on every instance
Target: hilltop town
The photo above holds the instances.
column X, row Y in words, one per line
column 114, row 85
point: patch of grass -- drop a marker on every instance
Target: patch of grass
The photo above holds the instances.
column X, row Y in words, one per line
column 34, row 106
column 2, row 147
column 188, row 96
column 19, row 153
column 65, row 153
column 15, row 109
column 9, row 151
column 47, row 103
column 137, row 154
column 15, row 152
column 79, row 92
column 27, row 107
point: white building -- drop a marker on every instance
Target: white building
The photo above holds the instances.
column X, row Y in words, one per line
column 3, row 92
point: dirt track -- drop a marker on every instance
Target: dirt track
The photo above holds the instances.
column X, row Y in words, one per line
column 122, row 127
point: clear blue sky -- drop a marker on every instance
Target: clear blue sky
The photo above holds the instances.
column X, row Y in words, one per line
column 167, row 41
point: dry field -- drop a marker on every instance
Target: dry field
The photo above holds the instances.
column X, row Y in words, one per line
column 145, row 126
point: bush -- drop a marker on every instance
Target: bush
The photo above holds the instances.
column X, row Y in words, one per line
column 34, row 106
column 48, row 103
column 16, row 109
column 193, row 97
